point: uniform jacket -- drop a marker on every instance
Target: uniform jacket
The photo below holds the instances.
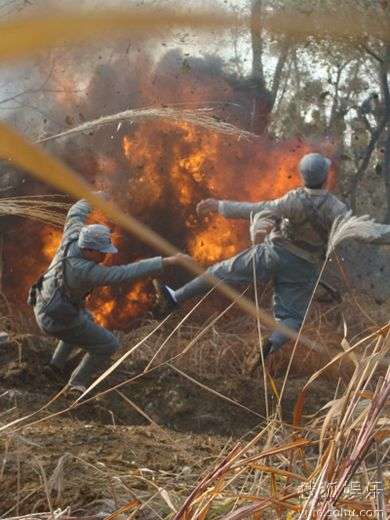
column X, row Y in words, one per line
column 81, row 276
column 294, row 229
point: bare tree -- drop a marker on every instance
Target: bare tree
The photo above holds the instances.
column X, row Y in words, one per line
column 380, row 128
column 263, row 95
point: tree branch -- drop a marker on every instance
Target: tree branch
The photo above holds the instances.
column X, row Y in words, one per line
column 383, row 75
column 372, row 53
column 365, row 162
column 375, row 135
column 278, row 71
column 257, row 42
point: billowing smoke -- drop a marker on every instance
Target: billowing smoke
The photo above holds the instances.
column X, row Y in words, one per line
column 157, row 169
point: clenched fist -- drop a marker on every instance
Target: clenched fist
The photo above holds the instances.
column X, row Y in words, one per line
column 207, row 206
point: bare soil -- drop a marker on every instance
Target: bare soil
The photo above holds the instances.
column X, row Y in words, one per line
column 93, row 456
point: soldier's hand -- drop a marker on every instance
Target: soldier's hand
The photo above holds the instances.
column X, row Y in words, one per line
column 207, row 206
column 175, row 259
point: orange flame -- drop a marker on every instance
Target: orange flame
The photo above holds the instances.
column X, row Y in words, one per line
column 158, row 172
column 171, row 167
column 51, row 239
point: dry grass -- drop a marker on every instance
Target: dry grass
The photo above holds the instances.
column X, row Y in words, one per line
column 283, row 471
column 202, row 117
column 44, row 208
column 260, row 225
column 34, row 34
column 260, row 474
column 347, row 227
column 268, row 469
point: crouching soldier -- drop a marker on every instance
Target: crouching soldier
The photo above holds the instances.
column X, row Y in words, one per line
column 59, row 295
column 290, row 255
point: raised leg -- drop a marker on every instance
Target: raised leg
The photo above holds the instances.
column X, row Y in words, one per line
column 236, row 271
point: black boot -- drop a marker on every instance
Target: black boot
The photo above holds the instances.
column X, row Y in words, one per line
column 254, row 360
column 267, row 348
column 165, row 304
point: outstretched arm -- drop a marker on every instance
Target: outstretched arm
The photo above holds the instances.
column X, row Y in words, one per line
column 89, row 274
column 380, row 235
column 230, row 209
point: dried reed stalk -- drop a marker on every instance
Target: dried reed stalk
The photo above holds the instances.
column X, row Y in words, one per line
column 44, row 208
column 23, row 38
column 347, row 443
column 202, row 117
column 349, row 226
column 34, row 34
column 357, row 446
column 260, row 225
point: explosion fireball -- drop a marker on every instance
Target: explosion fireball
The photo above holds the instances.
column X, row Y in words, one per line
column 158, row 171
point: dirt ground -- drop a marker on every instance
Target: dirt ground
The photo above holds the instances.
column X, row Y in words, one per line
column 150, row 439
column 161, row 428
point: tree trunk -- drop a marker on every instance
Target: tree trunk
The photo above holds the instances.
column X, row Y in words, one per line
column 257, row 43
column 364, row 164
column 261, row 97
column 386, row 174
column 384, row 72
column 383, row 126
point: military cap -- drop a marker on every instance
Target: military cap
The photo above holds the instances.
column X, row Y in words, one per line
column 96, row 237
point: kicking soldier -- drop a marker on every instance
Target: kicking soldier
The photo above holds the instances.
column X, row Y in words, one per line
column 290, row 256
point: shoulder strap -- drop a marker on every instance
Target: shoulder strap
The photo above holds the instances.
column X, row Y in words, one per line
column 313, row 215
column 59, row 274
column 65, row 248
